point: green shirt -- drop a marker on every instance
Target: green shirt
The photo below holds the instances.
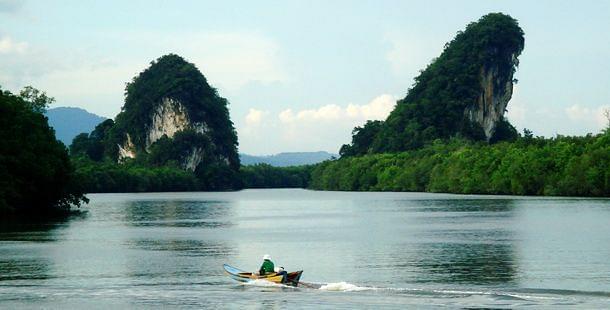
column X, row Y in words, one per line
column 267, row 267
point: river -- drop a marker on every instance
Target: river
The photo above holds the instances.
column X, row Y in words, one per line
column 364, row 250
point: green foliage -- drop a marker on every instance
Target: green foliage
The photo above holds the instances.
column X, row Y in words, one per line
column 36, row 177
column 160, row 169
column 35, row 100
column 92, row 145
column 434, row 107
column 362, row 139
column 135, row 176
column 574, row 166
column 505, row 131
column 267, row 176
column 214, row 175
column 111, row 177
column 178, row 148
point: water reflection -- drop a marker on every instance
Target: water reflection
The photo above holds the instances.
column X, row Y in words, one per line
column 184, row 247
column 208, row 214
column 466, row 263
column 468, row 241
column 36, row 230
column 182, row 241
column 17, row 235
column 19, row 268
column 482, row 206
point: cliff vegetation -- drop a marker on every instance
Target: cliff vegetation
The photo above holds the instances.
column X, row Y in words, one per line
column 462, row 93
column 172, row 119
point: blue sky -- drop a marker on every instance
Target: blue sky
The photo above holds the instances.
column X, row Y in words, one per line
column 301, row 74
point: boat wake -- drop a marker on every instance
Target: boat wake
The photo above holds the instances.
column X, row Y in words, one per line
column 265, row 283
column 333, row 287
column 348, row 287
column 343, row 287
column 526, row 295
column 523, row 294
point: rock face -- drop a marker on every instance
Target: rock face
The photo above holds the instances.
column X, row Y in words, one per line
column 127, row 150
column 172, row 114
column 168, row 118
column 194, row 158
column 497, row 89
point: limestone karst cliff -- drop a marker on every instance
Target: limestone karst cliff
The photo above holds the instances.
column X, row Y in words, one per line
column 496, row 92
column 464, row 92
column 172, row 97
column 172, row 116
column 169, row 117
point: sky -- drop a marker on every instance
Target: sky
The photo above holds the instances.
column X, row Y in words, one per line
column 299, row 75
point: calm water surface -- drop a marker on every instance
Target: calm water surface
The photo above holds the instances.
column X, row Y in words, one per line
column 365, row 250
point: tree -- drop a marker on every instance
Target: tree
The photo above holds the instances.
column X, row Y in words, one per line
column 92, row 145
column 36, row 176
column 36, row 100
column 362, row 139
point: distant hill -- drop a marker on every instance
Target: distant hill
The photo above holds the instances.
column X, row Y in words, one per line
column 287, row 158
column 69, row 122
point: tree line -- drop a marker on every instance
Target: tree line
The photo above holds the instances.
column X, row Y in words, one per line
column 134, row 176
column 565, row 166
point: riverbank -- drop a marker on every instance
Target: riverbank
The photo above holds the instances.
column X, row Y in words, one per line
column 561, row 166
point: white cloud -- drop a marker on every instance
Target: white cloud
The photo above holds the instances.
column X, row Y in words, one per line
column 254, row 117
column 8, row 46
column 286, row 116
column 325, row 113
column 587, row 115
column 323, row 128
column 377, row 109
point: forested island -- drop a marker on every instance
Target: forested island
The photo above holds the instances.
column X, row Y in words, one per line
column 174, row 133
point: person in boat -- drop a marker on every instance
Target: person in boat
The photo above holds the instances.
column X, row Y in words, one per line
column 268, row 267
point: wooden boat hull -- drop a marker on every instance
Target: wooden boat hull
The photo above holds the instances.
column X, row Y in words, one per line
column 292, row 278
